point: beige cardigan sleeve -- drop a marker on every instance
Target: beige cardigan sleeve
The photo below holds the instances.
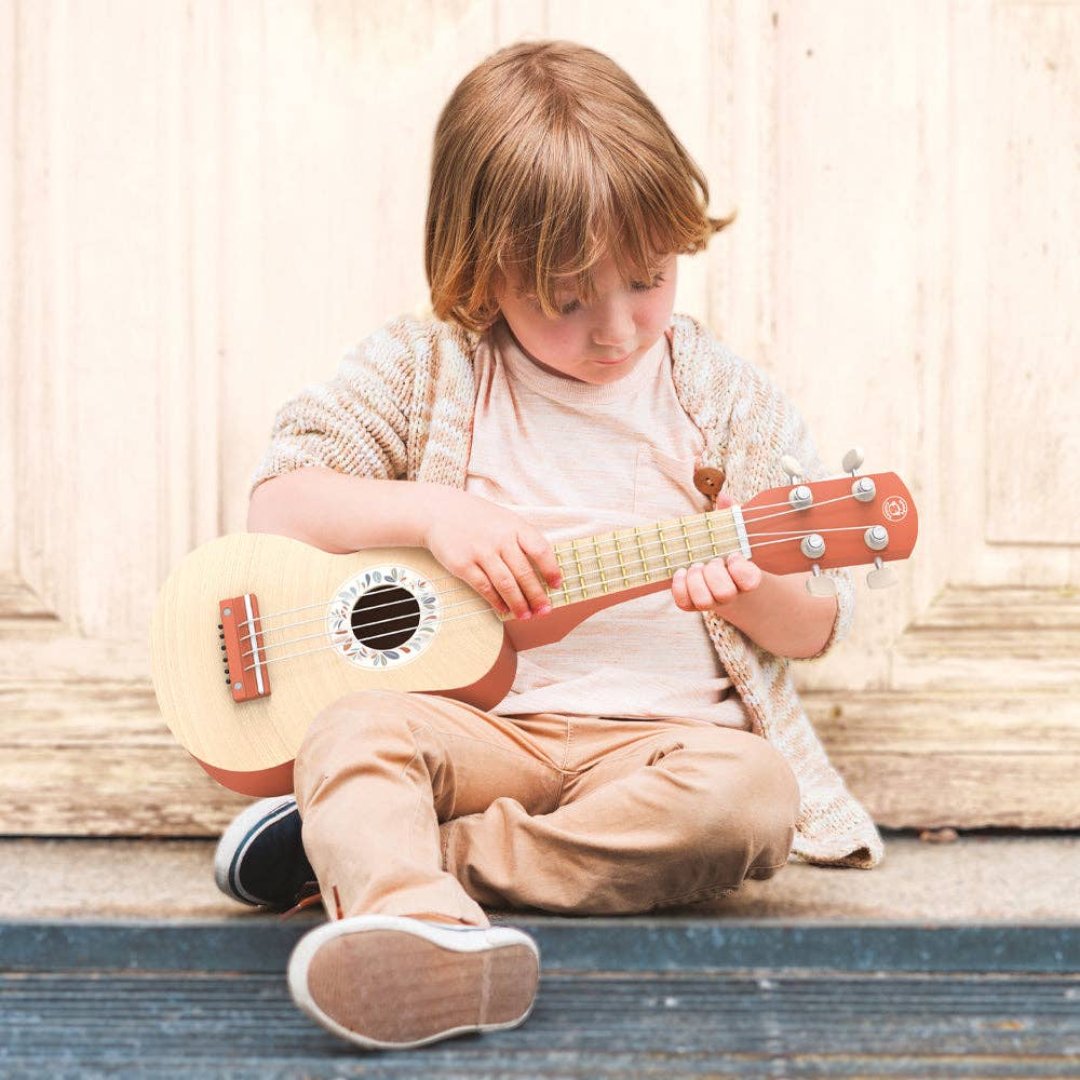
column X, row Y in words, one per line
column 765, row 425
column 802, row 447
column 357, row 422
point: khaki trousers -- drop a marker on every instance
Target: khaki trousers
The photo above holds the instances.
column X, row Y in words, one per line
column 418, row 804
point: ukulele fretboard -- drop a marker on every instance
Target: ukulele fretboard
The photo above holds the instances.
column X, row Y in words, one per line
column 626, row 558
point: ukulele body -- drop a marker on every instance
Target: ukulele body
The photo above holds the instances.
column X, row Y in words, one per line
column 311, row 649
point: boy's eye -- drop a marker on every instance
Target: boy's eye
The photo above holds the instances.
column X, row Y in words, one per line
column 637, row 286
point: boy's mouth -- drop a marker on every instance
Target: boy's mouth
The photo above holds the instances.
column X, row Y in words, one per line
column 613, row 360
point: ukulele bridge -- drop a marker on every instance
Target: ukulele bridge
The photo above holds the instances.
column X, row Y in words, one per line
column 242, row 650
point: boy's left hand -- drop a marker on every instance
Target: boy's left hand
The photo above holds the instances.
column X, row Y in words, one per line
column 709, row 586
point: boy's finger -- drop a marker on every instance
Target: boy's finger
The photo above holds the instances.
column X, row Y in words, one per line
column 696, row 587
column 678, row 589
column 532, row 588
column 720, row 584
column 477, row 579
column 543, row 554
column 505, row 584
column 745, row 574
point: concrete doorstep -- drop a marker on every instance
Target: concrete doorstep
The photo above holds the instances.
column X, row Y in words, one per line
column 979, row 877
column 983, row 902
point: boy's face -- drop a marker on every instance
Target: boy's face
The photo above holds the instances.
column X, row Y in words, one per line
column 623, row 323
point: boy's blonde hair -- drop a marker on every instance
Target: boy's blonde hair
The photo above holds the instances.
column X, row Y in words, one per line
column 547, row 157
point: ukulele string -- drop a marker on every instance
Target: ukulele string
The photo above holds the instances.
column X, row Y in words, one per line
column 716, row 531
column 470, row 593
column 485, row 608
column 713, row 531
column 459, row 586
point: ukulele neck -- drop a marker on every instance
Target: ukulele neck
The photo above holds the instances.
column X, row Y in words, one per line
column 613, row 562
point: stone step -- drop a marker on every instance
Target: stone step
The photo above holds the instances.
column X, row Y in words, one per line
column 979, row 877
column 950, row 959
column 580, row 946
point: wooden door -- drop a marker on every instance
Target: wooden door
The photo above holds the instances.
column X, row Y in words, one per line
column 206, row 204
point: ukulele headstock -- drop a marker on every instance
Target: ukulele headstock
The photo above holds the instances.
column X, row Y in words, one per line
column 845, row 521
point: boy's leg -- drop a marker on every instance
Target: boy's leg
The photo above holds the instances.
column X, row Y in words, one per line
column 655, row 813
column 376, row 773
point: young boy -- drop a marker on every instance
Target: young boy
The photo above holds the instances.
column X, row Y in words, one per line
column 655, row 755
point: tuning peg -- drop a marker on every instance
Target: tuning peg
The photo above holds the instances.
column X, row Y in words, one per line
column 792, row 467
column 881, row 577
column 852, row 459
column 800, row 497
column 819, row 584
column 864, row 489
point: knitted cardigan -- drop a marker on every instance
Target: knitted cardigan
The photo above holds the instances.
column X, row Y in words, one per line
column 401, row 407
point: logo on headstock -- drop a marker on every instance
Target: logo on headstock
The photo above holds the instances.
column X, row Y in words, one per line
column 895, row 508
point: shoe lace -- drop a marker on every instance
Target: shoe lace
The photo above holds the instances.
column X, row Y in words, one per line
column 309, row 895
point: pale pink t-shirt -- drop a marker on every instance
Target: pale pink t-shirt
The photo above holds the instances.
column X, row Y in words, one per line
column 574, row 460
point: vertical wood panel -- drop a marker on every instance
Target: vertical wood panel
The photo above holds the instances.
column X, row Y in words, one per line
column 196, row 482
column 1034, row 258
column 742, row 131
column 846, row 269
column 329, row 115
column 9, row 274
column 969, row 422
column 857, row 230
column 963, row 418
column 45, row 493
column 120, row 105
column 514, row 21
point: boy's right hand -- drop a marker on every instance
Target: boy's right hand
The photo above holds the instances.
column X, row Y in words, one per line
column 490, row 548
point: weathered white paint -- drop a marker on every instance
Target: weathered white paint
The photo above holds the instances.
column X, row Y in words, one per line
column 203, row 204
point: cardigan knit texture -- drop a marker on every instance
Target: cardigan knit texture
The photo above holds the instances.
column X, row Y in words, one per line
column 400, row 408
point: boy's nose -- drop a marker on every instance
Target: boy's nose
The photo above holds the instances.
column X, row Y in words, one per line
column 615, row 336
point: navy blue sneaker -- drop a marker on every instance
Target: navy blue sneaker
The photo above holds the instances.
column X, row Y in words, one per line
column 260, row 858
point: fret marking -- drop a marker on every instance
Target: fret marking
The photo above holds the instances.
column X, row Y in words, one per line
column 641, row 555
column 686, row 538
column 712, row 539
column 618, row 555
column 663, row 546
column 600, row 563
column 580, row 570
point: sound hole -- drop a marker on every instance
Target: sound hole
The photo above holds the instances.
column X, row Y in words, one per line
column 385, row 617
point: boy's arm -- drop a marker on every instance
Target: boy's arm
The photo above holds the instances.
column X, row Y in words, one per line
column 778, row 614
column 340, row 513
column 782, row 617
column 476, row 540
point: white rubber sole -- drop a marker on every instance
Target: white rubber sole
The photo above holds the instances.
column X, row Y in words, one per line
column 239, row 836
column 393, row 984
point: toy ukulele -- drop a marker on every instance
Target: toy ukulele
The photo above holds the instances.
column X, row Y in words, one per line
column 254, row 634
